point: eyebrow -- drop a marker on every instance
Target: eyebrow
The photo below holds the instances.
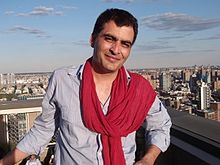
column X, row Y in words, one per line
column 116, row 39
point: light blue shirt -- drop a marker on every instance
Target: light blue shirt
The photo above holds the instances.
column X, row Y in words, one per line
column 75, row 144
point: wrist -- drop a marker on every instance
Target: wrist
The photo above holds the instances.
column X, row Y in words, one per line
column 151, row 155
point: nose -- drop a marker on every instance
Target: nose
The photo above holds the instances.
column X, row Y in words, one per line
column 115, row 48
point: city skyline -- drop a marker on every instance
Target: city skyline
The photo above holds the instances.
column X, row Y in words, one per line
column 44, row 35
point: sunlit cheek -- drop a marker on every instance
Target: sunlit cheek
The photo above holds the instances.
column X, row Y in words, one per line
column 125, row 53
column 107, row 45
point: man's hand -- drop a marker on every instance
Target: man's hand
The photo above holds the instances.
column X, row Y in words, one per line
column 150, row 156
column 148, row 161
column 13, row 157
column 143, row 162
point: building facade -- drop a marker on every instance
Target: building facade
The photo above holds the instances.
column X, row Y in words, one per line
column 205, row 96
column 16, row 118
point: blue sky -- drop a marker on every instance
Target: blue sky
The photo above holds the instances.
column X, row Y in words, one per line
column 42, row 35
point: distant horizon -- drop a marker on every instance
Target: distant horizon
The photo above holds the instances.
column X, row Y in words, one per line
column 174, row 67
column 43, row 35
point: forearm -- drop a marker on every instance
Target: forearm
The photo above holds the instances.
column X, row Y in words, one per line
column 158, row 124
column 151, row 155
column 13, row 157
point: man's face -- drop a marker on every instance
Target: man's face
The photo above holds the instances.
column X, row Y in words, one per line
column 112, row 47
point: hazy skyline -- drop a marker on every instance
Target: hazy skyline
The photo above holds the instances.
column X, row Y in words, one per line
column 40, row 35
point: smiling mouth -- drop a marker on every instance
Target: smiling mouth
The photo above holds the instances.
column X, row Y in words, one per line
column 112, row 58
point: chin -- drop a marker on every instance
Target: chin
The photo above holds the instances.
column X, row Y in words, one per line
column 113, row 69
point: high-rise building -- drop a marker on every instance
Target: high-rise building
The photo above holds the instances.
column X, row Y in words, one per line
column 1, row 80
column 10, row 78
column 193, row 83
column 216, row 106
column 208, row 76
column 165, row 81
column 204, row 95
column 215, row 73
column 186, row 75
column 216, row 84
column 16, row 118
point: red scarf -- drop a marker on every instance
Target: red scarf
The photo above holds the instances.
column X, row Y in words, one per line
column 128, row 107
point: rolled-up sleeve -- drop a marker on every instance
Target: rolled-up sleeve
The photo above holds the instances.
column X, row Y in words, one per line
column 158, row 125
column 38, row 137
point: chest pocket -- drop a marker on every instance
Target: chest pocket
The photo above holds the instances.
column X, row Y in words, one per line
column 67, row 114
column 72, row 127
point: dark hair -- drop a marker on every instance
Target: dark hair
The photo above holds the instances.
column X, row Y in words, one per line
column 120, row 17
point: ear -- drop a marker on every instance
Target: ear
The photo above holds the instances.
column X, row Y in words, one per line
column 92, row 40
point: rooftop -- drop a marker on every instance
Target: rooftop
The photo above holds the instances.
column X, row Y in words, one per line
column 195, row 139
column 196, row 126
column 4, row 105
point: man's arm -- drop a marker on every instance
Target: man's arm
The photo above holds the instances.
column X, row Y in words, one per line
column 157, row 134
column 150, row 156
column 13, row 157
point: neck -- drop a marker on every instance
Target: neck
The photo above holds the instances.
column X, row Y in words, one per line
column 103, row 84
column 101, row 75
column 104, row 77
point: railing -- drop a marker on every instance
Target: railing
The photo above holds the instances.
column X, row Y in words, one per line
column 194, row 140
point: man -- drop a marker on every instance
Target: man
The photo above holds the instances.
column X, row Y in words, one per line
column 97, row 107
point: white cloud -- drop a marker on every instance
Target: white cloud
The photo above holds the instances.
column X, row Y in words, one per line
column 130, row 1
column 178, row 22
column 152, row 47
column 29, row 30
column 69, row 7
column 126, row 1
column 81, row 42
column 9, row 12
column 186, row 51
column 216, row 37
column 42, row 11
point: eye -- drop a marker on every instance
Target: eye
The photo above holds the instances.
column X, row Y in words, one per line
column 109, row 38
column 126, row 44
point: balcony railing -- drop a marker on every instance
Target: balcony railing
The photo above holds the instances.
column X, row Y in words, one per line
column 194, row 140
